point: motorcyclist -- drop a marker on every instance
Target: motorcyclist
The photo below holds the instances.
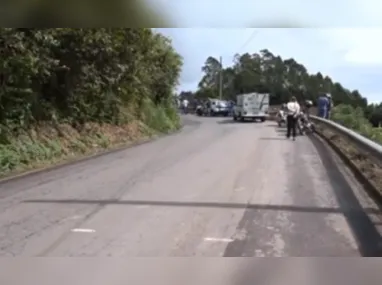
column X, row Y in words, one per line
column 281, row 115
column 304, row 118
column 308, row 105
column 199, row 108
column 282, row 109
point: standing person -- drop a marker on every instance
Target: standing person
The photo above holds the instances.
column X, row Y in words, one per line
column 293, row 110
column 208, row 104
column 323, row 106
column 185, row 105
column 330, row 105
column 231, row 106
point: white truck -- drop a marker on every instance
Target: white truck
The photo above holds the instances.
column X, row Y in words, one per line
column 251, row 106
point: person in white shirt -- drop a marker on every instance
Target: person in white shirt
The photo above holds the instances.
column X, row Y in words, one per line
column 293, row 110
column 185, row 106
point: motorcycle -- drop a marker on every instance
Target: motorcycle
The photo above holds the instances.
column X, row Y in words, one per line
column 309, row 127
column 199, row 110
column 304, row 125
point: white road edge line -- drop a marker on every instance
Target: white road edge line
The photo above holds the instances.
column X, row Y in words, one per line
column 83, row 231
column 239, row 189
column 218, row 239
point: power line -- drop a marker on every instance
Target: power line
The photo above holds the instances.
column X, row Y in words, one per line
column 221, row 79
column 251, row 37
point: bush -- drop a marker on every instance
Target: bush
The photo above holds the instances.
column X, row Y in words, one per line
column 354, row 118
column 82, row 75
column 76, row 76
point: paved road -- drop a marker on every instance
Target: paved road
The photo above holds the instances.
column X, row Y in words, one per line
column 216, row 189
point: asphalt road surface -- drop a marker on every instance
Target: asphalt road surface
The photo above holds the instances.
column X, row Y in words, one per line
column 215, row 189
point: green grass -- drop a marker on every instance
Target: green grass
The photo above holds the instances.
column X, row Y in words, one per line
column 23, row 153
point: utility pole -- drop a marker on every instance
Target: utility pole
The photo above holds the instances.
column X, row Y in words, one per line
column 221, row 79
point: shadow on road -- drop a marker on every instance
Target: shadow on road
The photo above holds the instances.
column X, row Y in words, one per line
column 227, row 121
column 271, row 125
column 281, row 130
column 289, row 208
column 187, row 120
column 232, row 121
column 364, row 229
column 273, row 139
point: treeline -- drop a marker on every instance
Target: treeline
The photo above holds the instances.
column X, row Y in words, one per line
column 266, row 72
column 373, row 112
column 81, row 76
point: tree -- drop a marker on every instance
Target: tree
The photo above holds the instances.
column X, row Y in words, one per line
column 374, row 114
column 82, row 75
column 266, row 72
column 211, row 69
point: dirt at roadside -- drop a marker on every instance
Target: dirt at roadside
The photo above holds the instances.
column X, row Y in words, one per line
column 370, row 168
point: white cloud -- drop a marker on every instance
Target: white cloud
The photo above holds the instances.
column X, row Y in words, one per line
column 360, row 46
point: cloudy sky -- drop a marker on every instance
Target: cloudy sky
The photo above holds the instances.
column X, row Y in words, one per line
column 351, row 54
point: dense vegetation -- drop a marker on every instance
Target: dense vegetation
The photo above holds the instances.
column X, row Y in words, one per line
column 81, row 13
column 356, row 118
column 84, row 82
column 266, row 72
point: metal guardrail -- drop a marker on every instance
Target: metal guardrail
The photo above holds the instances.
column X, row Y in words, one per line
column 360, row 141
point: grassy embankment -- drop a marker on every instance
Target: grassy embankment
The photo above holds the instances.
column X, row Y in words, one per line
column 45, row 145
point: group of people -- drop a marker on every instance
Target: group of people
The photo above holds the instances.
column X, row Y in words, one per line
column 293, row 110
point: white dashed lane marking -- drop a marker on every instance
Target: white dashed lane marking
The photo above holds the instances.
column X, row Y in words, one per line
column 83, row 231
column 218, row 239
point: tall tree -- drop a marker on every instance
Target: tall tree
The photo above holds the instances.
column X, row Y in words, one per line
column 266, row 72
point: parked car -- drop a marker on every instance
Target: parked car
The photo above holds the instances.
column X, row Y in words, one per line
column 218, row 107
